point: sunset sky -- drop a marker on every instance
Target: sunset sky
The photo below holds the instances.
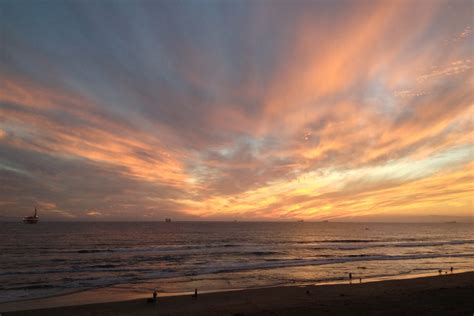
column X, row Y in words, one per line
column 247, row 110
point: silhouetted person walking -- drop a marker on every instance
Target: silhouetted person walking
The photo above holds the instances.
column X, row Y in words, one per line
column 451, row 269
column 350, row 277
column 152, row 300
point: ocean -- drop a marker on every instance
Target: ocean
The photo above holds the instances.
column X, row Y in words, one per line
column 55, row 258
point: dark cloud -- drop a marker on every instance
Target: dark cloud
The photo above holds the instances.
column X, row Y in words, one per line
column 75, row 186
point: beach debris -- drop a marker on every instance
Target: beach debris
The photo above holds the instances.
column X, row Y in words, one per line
column 440, row 271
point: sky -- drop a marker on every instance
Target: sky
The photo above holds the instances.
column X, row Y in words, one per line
column 236, row 110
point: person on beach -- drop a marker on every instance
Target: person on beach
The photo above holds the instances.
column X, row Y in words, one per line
column 360, row 280
column 451, row 269
column 440, row 271
column 195, row 295
column 350, row 277
column 155, row 294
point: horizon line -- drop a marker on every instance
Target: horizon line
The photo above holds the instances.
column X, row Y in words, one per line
column 248, row 221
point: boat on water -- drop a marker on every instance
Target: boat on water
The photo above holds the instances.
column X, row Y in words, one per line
column 31, row 219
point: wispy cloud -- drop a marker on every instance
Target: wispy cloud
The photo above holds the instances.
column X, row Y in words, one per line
column 222, row 110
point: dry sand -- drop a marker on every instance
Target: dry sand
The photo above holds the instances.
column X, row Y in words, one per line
column 437, row 295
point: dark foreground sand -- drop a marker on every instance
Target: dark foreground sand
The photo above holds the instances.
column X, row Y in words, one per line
column 437, row 295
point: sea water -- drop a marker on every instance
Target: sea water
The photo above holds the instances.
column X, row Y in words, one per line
column 53, row 258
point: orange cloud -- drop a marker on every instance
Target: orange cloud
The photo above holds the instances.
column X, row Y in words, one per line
column 94, row 137
column 346, row 111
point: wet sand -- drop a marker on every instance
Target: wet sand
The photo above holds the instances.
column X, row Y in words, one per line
column 450, row 294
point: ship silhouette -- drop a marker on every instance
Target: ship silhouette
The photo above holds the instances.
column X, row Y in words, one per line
column 31, row 219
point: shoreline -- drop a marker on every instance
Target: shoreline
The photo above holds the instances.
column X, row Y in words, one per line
column 116, row 292
column 80, row 303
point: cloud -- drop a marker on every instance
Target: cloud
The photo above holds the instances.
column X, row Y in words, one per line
column 454, row 68
column 93, row 213
column 290, row 110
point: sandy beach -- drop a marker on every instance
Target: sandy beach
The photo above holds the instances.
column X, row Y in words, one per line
column 437, row 295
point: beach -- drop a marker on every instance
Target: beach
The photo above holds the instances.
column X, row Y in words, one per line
column 123, row 261
column 449, row 294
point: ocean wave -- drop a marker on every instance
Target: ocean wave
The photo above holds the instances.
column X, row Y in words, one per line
column 263, row 253
column 257, row 248
column 32, row 287
column 93, row 250
column 350, row 241
column 309, row 262
column 189, row 269
column 359, row 246
column 435, row 243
